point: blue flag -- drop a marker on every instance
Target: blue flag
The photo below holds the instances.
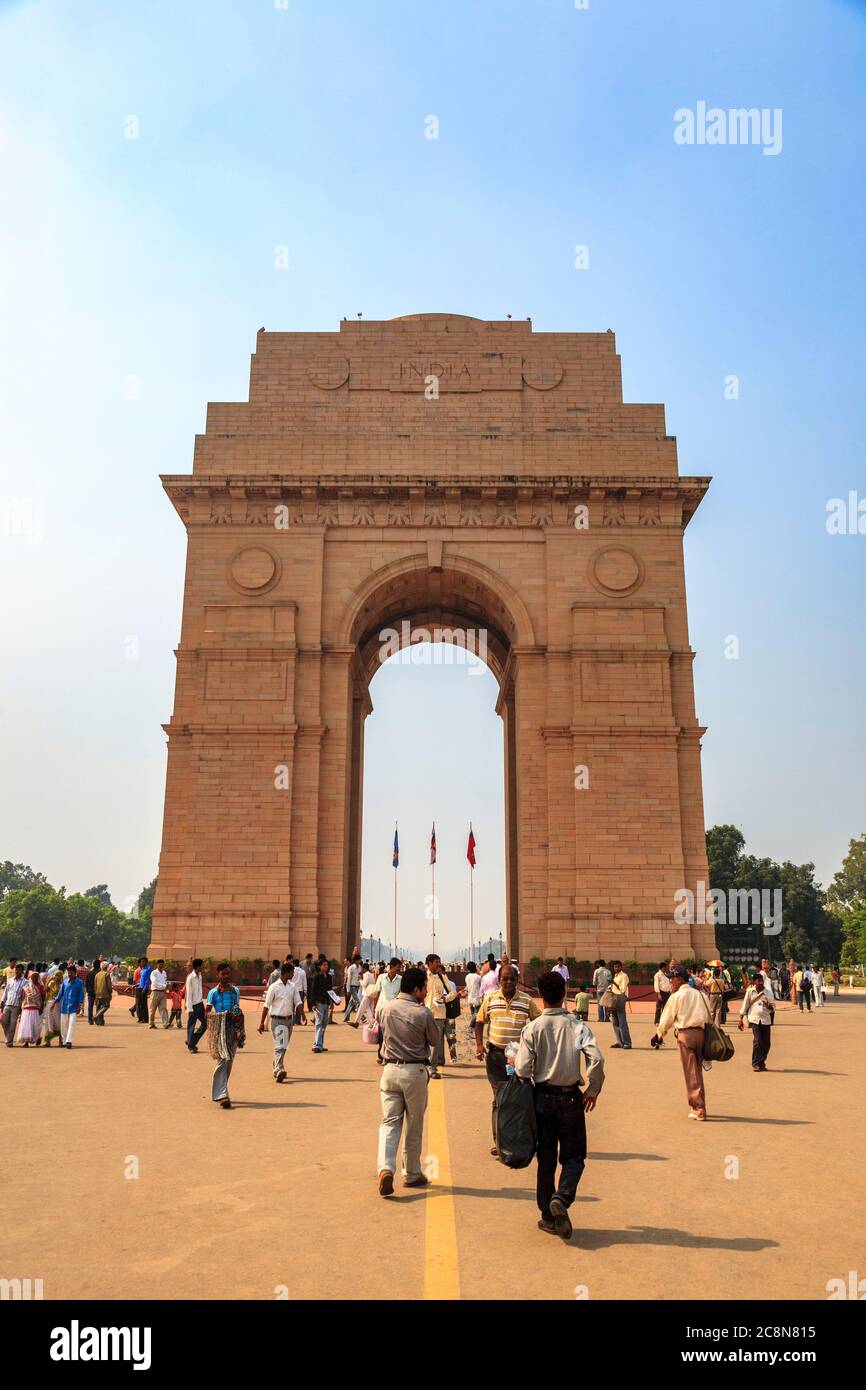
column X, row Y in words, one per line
column 396, row 856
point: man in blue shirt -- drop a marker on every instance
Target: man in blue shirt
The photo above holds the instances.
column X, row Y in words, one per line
column 224, row 1033
column 144, row 973
column 71, row 1003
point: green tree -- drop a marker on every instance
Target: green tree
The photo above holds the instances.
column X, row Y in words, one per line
column 18, row 876
column 33, row 922
column 145, row 904
column 849, row 884
column 853, row 950
column 725, row 845
column 101, row 892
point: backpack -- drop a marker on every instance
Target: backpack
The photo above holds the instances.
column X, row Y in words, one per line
column 717, row 1045
column 516, row 1127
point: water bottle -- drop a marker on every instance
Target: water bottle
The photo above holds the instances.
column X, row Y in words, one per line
column 510, row 1054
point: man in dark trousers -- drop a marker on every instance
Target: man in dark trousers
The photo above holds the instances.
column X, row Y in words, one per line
column 549, row 1056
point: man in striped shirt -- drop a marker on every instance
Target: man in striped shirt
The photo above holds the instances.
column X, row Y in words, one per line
column 506, row 1011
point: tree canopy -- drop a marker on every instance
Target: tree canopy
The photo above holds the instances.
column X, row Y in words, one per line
column 39, row 922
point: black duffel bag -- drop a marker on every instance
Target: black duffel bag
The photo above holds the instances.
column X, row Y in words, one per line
column 516, row 1128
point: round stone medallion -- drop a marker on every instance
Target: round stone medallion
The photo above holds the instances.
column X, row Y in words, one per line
column 616, row 570
column 254, row 570
column 328, row 373
column 542, row 373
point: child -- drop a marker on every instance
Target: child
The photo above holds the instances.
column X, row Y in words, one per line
column 175, row 998
column 581, row 1003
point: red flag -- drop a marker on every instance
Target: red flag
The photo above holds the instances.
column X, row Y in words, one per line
column 470, row 848
column 433, row 845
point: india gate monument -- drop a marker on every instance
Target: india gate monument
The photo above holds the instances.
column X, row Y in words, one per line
column 449, row 472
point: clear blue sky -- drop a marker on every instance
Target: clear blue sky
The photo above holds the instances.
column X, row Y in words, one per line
column 153, row 259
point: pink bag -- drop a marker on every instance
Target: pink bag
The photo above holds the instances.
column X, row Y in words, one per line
column 371, row 1034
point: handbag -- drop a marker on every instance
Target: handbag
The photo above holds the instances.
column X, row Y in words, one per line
column 717, row 1045
column 370, row 1033
column 607, row 999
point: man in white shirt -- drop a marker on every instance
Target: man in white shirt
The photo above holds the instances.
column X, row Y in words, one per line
column 299, row 980
column 687, row 1012
column 353, row 990
column 757, row 1009
column 158, row 989
column 662, row 988
column 562, row 969
column 472, row 985
column 196, row 1023
column 368, row 979
column 818, row 986
column 281, row 1001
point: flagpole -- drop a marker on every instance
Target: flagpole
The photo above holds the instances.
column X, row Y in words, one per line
column 471, row 911
column 433, row 883
column 394, row 933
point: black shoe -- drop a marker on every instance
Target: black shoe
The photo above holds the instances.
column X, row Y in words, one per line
column 561, row 1221
column 280, row 1077
column 616, row 1045
column 546, row 1225
column 226, row 1104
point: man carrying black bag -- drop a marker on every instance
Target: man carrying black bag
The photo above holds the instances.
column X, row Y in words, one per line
column 549, row 1056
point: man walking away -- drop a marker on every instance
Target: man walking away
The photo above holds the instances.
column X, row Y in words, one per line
column 687, row 1013
column 224, row 1001
column 299, row 980
column 353, row 990
column 102, row 992
column 71, row 1003
column 619, row 987
column 601, row 978
column 472, row 985
column 281, row 1001
column 440, row 992
column 506, row 1011
column 88, row 985
column 12, row 1000
column 662, row 988
column 804, row 990
column 549, row 1056
column 758, row 1011
column 196, row 1023
column 409, row 1034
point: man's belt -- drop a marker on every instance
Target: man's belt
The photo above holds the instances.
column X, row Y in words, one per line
column 405, row 1062
column 557, row 1090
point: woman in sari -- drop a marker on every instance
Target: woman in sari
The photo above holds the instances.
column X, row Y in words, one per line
column 51, row 1014
column 32, row 1004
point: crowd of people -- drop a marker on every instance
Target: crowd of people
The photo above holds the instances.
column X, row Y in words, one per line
column 411, row 1010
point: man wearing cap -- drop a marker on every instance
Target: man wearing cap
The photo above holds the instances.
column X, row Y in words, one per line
column 687, row 1013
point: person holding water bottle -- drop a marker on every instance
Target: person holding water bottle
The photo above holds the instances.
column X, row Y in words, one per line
column 506, row 1012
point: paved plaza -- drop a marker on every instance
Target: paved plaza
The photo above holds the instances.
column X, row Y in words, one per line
column 277, row 1198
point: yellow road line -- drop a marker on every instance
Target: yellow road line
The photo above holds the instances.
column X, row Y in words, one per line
column 441, row 1276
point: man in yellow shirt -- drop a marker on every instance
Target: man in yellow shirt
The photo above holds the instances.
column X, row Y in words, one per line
column 506, row 1011
column 619, row 989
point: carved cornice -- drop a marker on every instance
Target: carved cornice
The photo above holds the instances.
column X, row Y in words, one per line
column 384, row 501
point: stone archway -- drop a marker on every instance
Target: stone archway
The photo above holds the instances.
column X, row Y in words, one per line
column 428, row 597
column 440, row 470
